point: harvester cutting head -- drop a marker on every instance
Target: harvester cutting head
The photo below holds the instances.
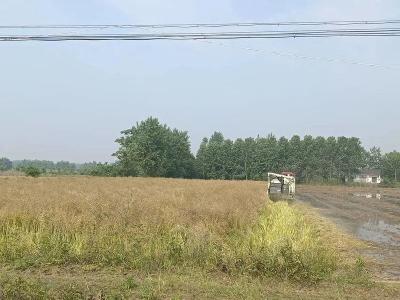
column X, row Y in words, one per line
column 281, row 186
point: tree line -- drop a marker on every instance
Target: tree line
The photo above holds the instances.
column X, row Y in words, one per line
column 49, row 167
column 153, row 149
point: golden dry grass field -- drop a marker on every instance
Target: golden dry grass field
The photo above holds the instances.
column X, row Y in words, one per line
column 132, row 201
column 128, row 238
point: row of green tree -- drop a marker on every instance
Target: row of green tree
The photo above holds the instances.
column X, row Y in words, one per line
column 311, row 159
column 50, row 167
column 153, row 149
column 61, row 167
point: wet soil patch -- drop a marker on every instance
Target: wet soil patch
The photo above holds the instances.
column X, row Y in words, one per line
column 371, row 214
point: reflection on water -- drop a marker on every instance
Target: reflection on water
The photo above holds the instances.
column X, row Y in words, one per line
column 380, row 232
column 368, row 195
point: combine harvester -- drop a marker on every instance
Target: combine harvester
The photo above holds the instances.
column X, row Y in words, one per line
column 281, row 186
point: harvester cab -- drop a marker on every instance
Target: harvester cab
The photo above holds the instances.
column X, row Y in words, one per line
column 281, row 186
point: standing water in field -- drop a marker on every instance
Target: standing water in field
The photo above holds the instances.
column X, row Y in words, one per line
column 380, row 232
column 368, row 213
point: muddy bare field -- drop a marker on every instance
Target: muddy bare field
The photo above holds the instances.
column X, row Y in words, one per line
column 371, row 214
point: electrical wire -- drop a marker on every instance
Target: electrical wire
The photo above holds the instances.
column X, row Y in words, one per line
column 388, row 32
column 364, row 29
column 308, row 57
column 212, row 25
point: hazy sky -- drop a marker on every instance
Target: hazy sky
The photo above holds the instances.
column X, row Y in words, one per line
column 70, row 100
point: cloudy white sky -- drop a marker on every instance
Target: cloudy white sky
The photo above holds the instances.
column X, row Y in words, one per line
column 70, row 100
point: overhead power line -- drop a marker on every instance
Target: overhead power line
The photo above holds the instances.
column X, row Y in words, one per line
column 212, row 25
column 388, row 32
column 199, row 31
column 308, row 57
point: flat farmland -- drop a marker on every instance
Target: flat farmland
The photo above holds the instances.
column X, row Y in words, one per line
column 147, row 238
column 370, row 213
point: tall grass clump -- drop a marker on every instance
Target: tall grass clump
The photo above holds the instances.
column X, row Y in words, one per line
column 284, row 243
column 28, row 242
column 281, row 243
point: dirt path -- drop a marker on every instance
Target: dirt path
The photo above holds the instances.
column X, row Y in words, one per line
column 371, row 214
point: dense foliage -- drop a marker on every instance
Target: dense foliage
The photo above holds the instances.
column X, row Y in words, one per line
column 310, row 158
column 46, row 166
column 32, row 171
column 155, row 150
column 66, row 168
column 100, row 169
column 391, row 165
column 5, row 164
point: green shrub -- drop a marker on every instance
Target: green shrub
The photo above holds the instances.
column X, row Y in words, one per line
column 32, row 171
